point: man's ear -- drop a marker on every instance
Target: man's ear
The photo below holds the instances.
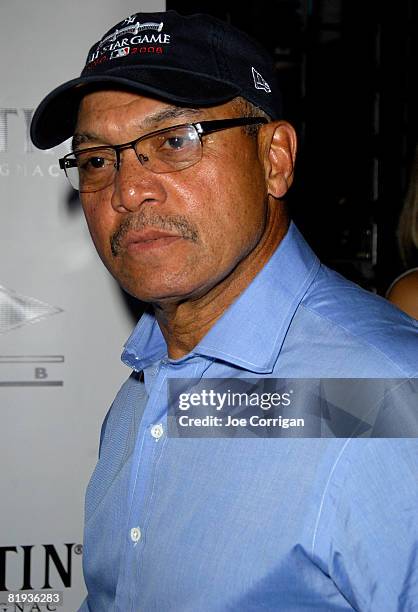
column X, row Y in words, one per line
column 277, row 142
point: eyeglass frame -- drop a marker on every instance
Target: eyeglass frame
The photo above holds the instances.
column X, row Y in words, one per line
column 203, row 128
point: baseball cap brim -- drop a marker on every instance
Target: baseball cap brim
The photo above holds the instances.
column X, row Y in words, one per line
column 55, row 118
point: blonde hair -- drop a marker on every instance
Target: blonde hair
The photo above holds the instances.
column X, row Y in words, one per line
column 408, row 221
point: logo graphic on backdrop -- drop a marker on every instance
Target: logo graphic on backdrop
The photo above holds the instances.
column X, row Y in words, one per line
column 135, row 37
column 16, row 148
column 31, row 370
column 28, row 568
column 17, row 311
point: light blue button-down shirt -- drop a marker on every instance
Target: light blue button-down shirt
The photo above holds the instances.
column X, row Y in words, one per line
column 218, row 524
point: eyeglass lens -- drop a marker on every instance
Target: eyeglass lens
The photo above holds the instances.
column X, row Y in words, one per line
column 166, row 151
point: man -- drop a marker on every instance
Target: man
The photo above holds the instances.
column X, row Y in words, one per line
column 182, row 160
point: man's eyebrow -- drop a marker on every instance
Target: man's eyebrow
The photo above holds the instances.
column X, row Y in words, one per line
column 82, row 137
column 172, row 112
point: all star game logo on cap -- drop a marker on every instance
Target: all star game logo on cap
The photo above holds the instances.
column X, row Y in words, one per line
column 134, row 37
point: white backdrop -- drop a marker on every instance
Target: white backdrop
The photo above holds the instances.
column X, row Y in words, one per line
column 62, row 318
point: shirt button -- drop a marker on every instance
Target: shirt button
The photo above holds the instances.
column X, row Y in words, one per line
column 157, row 431
column 135, row 534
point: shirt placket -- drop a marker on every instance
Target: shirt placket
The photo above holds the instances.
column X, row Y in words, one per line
column 147, row 456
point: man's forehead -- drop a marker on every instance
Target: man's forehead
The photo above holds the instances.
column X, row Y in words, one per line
column 99, row 102
column 125, row 109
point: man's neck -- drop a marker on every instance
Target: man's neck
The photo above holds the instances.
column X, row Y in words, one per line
column 184, row 324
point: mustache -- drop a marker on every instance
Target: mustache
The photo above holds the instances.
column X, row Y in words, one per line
column 176, row 223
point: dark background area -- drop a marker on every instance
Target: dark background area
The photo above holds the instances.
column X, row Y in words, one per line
column 347, row 73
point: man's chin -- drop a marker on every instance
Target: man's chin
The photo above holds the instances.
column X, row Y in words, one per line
column 160, row 295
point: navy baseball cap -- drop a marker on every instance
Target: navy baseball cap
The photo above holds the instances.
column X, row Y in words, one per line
column 194, row 60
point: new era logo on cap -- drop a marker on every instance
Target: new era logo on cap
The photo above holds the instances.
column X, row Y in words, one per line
column 260, row 82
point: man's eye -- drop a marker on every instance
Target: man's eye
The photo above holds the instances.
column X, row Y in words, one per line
column 97, row 162
column 92, row 163
column 89, row 162
column 174, row 142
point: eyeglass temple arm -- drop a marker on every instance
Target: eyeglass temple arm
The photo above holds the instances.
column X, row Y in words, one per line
column 67, row 163
column 207, row 127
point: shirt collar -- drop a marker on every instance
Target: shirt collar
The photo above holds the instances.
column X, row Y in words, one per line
column 251, row 331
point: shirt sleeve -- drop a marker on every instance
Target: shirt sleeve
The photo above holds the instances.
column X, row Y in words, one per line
column 366, row 535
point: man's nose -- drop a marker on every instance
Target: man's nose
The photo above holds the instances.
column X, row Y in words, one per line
column 134, row 185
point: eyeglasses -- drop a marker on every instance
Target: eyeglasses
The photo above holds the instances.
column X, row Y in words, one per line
column 168, row 150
